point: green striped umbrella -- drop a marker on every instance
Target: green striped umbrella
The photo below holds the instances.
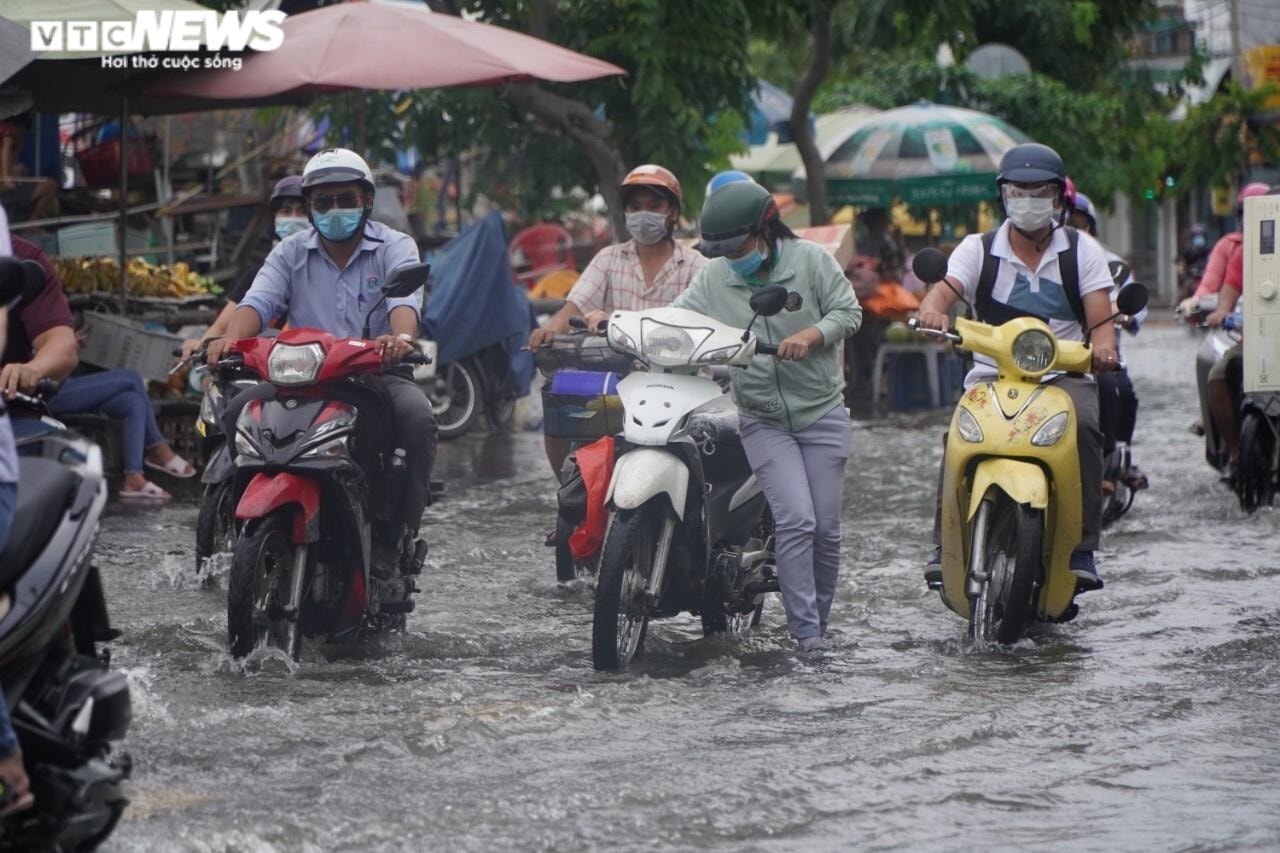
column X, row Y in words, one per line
column 924, row 154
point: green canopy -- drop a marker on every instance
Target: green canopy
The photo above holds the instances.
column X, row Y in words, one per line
column 774, row 162
column 925, row 154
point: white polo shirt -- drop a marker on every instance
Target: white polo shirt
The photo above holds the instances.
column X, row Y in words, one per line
column 1037, row 291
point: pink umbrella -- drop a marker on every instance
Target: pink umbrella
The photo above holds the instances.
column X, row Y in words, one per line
column 385, row 45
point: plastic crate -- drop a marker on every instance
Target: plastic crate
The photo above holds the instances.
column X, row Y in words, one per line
column 116, row 342
column 93, row 239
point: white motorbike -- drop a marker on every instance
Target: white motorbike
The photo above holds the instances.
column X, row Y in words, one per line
column 689, row 529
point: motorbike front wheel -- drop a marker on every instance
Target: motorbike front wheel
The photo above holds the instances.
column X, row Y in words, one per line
column 258, row 588
column 1011, row 559
column 622, row 608
column 1255, row 479
column 455, row 399
column 216, row 523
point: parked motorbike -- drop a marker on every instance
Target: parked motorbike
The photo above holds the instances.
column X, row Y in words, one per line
column 1011, row 501
column 316, row 448
column 69, row 709
column 690, row 529
column 464, row 390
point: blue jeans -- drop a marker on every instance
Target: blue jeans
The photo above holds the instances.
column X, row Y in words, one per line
column 120, row 394
column 802, row 475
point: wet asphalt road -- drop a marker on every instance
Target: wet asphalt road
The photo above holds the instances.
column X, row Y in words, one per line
column 1148, row 723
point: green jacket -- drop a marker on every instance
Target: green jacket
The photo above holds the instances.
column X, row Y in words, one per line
column 790, row 395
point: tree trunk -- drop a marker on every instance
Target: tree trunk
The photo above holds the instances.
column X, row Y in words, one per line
column 802, row 99
column 576, row 121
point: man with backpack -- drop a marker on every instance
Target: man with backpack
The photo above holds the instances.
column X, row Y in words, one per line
column 1032, row 266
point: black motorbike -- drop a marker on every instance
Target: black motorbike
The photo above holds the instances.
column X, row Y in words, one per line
column 216, row 522
column 68, row 707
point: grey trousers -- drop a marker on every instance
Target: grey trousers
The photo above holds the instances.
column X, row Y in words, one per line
column 802, row 476
column 1083, row 392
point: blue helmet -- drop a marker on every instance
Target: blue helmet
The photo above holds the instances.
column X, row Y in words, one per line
column 1085, row 206
column 730, row 176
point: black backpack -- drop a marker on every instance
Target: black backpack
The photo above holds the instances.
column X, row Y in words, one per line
column 988, row 310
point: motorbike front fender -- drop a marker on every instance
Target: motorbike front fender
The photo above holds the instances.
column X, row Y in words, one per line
column 1024, row 482
column 645, row 473
column 267, row 493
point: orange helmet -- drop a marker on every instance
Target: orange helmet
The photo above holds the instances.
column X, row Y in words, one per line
column 656, row 178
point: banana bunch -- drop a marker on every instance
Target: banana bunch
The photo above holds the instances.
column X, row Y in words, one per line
column 90, row 275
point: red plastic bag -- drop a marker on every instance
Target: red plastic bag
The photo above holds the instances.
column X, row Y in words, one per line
column 595, row 461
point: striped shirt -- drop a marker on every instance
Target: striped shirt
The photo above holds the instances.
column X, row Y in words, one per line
column 614, row 280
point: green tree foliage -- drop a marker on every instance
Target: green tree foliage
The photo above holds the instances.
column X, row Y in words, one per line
column 681, row 104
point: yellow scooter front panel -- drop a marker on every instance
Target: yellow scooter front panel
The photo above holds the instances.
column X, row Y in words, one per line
column 1009, row 414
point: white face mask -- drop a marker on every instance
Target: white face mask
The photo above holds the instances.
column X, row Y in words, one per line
column 1029, row 214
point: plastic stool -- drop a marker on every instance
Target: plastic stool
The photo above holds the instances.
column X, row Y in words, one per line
column 934, row 364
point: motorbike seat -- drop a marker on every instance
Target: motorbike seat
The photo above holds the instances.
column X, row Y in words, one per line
column 721, row 427
column 44, row 491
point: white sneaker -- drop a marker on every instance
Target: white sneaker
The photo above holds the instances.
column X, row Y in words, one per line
column 812, row 644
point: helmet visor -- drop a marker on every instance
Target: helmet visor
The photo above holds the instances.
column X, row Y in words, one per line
column 721, row 245
column 1030, row 190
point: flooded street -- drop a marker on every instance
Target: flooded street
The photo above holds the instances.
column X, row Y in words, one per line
column 1150, row 722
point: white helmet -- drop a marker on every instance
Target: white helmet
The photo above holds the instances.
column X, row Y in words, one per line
column 336, row 166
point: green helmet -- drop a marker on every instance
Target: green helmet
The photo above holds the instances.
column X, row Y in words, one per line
column 732, row 214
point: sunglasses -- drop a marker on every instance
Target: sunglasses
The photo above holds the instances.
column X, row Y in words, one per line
column 323, row 203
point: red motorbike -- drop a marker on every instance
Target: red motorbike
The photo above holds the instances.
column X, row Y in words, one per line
column 318, row 473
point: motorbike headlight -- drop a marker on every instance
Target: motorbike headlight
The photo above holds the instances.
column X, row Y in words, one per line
column 210, row 404
column 668, row 345
column 329, row 449
column 1052, row 431
column 724, row 355
column 968, row 427
column 1033, row 351
column 291, row 364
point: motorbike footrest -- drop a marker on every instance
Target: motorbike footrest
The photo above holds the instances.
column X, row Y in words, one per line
column 397, row 607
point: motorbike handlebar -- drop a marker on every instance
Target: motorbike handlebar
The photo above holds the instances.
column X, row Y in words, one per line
column 914, row 325
column 416, row 358
column 766, row 349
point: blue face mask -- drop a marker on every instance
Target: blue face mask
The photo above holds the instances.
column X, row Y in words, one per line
column 746, row 265
column 288, row 225
column 338, row 224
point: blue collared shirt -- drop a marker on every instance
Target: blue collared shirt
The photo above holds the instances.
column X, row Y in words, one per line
column 299, row 278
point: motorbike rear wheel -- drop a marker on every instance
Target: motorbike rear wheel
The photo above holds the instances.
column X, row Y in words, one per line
column 216, row 523
column 621, row 617
column 258, row 588
column 1255, row 481
column 1012, row 560
column 455, row 399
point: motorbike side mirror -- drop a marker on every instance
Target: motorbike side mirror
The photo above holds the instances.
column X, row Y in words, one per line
column 769, row 300
column 405, row 280
column 929, row 265
column 1132, row 298
column 20, row 282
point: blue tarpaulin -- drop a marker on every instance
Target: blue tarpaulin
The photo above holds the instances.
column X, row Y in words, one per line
column 475, row 302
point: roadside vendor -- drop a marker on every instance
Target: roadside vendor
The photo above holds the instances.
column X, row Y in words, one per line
column 42, row 345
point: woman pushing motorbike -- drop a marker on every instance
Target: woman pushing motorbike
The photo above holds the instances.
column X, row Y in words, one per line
column 795, row 429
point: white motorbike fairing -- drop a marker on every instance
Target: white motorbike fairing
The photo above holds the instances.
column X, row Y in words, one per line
column 644, row 473
column 656, row 404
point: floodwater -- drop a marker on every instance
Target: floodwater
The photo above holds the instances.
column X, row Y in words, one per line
column 1151, row 722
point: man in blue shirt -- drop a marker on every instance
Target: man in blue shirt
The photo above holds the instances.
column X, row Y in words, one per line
column 327, row 277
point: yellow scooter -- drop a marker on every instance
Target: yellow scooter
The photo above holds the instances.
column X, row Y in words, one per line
column 1011, row 500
